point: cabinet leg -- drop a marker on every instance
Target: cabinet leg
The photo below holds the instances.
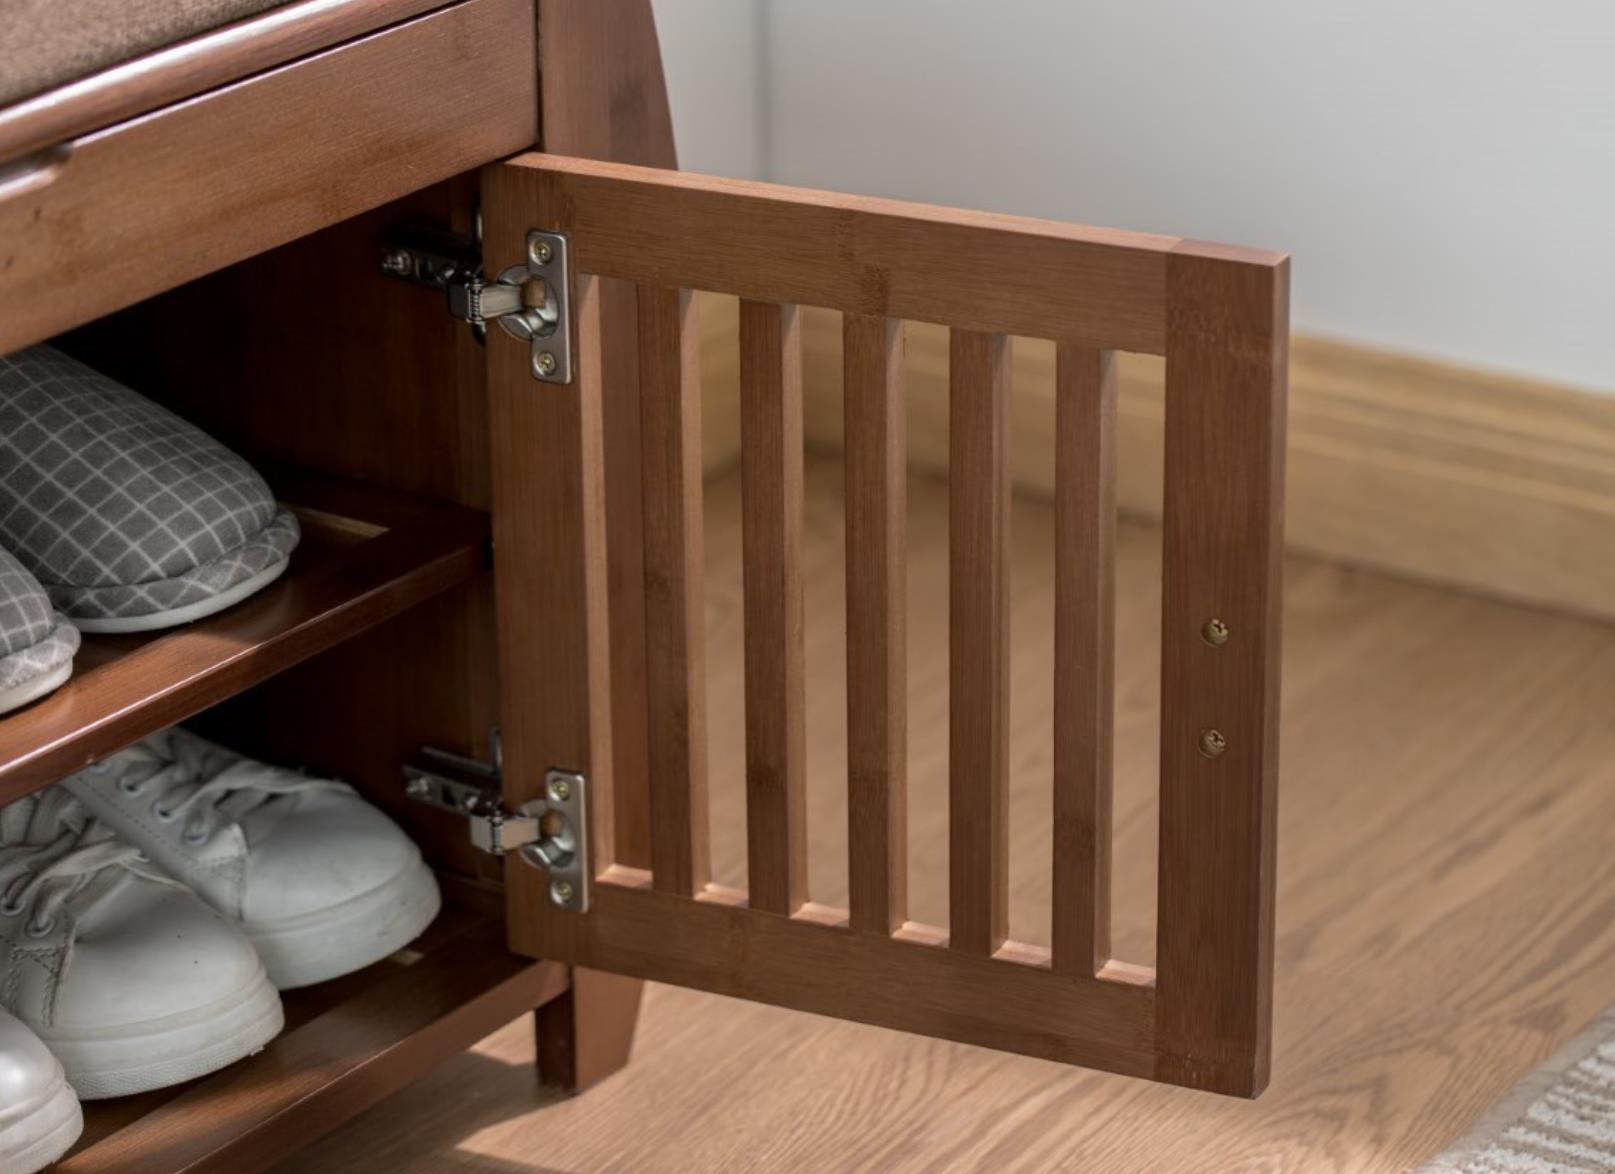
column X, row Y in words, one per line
column 586, row 1034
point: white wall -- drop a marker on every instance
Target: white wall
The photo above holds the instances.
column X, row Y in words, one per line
column 714, row 53
column 1443, row 170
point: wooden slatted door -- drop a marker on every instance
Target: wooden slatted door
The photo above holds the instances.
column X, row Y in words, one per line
column 1219, row 315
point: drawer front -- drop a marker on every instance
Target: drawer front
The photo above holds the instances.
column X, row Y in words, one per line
column 95, row 224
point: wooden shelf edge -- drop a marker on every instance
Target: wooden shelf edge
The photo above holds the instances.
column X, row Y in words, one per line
column 202, row 62
column 342, row 1061
column 422, row 548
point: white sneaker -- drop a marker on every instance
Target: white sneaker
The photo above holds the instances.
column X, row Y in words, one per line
column 129, row 979
column 322, row 882
column 40, row 1118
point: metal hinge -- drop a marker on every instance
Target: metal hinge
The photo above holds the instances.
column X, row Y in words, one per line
column 550, row 833
column 529, row 301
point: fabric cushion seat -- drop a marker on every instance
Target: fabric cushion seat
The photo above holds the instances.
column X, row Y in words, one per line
column 49, row 43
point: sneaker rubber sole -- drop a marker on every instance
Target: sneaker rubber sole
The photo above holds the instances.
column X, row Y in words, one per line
column 42, row 1132
column 314, row 947
column 139, row 1057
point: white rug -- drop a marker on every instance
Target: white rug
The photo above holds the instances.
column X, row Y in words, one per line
column 1558, row 1120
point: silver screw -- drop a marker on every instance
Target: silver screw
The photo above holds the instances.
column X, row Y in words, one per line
column 544, row 363
column 540, row 252
column 1212, row 743
column 561, row 892
column 399, row 262
column 560, row 790
column 1215, row 633
column 417, row 786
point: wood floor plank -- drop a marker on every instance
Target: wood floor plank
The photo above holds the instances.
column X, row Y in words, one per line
column 1445, row 913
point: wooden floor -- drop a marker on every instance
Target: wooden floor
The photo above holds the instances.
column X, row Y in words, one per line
column 1446, row 906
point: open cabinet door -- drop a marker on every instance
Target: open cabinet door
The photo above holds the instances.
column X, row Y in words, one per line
column 1201, row 1018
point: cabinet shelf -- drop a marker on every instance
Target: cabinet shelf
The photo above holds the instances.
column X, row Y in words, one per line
column 347, row 1044
column 366, row 556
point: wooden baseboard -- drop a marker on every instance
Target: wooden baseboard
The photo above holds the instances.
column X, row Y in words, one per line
column 1493, row 484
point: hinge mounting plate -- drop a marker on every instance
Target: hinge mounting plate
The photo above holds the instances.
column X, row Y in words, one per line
column 550, row 833
column 548, row 330
column 530, row 301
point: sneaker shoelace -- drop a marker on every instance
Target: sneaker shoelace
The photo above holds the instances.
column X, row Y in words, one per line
column 210, row 786
column 55, row 856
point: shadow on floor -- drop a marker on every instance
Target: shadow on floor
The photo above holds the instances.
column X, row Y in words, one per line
column 445, row 1109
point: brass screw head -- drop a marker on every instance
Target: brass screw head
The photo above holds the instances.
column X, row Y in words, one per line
column 1212, row 743
column 560, row 790
column 561, row 892
column 544, row 363
column 1215, row 633
column 540, row 251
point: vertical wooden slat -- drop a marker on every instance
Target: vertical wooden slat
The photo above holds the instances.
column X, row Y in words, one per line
column 602, row 96
column 1226, row 353
column 548, row 506
column 1084, row 655
column 675, row 677
column 877, row 635
column 771, row 528
column 978, row 657
column 625, row 567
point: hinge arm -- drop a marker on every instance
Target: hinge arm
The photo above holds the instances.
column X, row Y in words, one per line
column 472, row 300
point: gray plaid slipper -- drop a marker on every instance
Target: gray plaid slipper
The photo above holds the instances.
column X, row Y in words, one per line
column 131, row 518
column 36, row 644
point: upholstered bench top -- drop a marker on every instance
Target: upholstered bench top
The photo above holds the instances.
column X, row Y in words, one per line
column 47, row 43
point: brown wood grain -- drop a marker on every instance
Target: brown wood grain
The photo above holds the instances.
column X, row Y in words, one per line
column 1489, row 482
column 974, row 270
column 912, row 981
column 336, row 588
column 877, row 631
column 641, row 224
column 670, row 461
column 1226, row 370
column 313, row 404
column 978, row 641
column 587, row 1034
column 771, row 476
column 144, row 206
column 603, row 96
column 193, row 66
column 402, row 1022
column 429, row 676
column 1444, row 905
column 1084, row 656
column 549, row 542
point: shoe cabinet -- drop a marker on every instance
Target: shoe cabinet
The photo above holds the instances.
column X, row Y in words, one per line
column 267, row 229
